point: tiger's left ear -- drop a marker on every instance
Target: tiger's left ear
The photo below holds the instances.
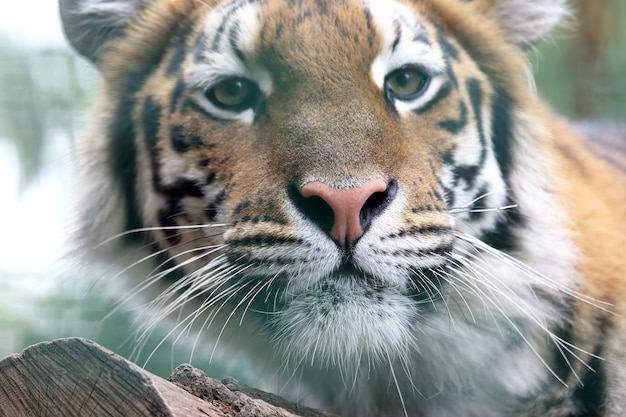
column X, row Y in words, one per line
column 90, row 25
column 525, row 22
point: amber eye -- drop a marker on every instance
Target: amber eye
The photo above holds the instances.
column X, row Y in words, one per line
column 235, row 94
column 406, row 83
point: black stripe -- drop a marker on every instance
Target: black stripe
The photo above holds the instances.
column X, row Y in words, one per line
column 182, row 142
column 182, row 188
column 370, row 28
column 177, row 95
column 502, row 129
column 443, row 92
column 123, row 152
column 180, row 50
column 428, row 229
column 476, row 99
column 175, row 193
column 448, row 197
column 170, row 227
column 211, row 210
column 449, row 52
column 469, row 173
column 200, row 47
column 398, row 33
column 228, row 13
column 265, row 240
column 479, row 199
column 590, row 394
column 504, row 234
column 455, row 126
column 241, row 207
column 422, row 37
column 151, row 124
column 220, row 32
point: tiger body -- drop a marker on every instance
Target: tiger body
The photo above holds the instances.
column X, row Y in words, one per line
column 365, row 199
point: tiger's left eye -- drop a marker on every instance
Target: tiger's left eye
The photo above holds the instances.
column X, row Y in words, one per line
column 235, row 94
column 406, row 83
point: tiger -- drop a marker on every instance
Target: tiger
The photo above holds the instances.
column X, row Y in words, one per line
column 363, row 202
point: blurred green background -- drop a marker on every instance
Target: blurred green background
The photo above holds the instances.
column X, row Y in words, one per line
column 45, row 90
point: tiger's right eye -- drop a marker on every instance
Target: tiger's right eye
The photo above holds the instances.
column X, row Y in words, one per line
column 234, row 94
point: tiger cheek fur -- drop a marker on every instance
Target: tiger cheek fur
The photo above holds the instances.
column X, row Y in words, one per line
column 365, row 194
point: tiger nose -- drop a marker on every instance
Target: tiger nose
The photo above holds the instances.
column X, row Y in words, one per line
column 353, row 209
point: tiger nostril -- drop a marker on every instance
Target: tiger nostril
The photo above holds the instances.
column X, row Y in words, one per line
column 314, row 208
column 344, row 213
column 377, row 203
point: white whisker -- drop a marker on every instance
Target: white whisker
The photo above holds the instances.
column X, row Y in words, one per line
column 158, row 229
column 395, row 380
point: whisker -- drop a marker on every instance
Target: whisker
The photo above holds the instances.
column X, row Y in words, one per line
column 516, row 328
column 536, row 275
column 482, row 210
column 488, row 279
column 480, row 197
column 160, row 228
column 185, row 324
column 395, row 380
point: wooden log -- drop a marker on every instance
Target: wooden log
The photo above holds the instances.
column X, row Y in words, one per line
column 76, row 377
column 250, row 401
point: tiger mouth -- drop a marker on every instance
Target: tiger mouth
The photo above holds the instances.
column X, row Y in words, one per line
column 423, row 285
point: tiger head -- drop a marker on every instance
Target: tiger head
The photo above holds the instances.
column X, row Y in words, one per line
column 341, row 179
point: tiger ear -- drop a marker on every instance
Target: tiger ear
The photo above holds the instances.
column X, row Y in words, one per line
column 526, row 22
column 90, row 25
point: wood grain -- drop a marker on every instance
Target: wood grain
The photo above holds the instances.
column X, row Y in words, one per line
column 77, row 378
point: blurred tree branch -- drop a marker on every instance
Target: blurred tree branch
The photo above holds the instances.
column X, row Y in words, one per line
column 41, row 93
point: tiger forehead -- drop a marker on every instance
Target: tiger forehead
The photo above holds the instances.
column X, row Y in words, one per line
column 329, row 31
column 309, row 36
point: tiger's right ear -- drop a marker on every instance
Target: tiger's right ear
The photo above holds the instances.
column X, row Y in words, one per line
column 524, row 22
column 91, row 25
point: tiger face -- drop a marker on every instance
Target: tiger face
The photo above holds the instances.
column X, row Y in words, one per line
column 361, row 187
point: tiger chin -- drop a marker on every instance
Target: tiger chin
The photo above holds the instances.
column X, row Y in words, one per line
column 363, row 201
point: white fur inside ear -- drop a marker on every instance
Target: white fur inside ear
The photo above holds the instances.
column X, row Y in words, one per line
column 527, row 22
column 115, row 13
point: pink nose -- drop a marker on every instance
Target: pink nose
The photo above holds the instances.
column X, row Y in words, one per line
column 347, row 205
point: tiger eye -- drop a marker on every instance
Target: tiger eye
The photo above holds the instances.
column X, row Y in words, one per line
column 406, row 83
column 233, row 92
